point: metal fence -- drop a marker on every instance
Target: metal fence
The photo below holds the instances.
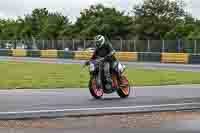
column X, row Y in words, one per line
column 189, row 46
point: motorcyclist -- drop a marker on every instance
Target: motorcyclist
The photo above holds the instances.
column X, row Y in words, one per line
column 104, row 49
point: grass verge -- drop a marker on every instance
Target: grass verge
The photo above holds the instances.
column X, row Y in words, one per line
column 15, row 75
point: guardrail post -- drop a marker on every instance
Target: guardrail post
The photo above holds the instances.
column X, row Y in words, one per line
column 179, row 47
column 84, row 44
column 121, row 45
column 195, row 46
column 63, row 43
column 163, row 46
column 148, row 47
column 129, row 48
column 1, row 46
column 73, row 47
column 42, row 44
column 135, row 49
column 52, row 44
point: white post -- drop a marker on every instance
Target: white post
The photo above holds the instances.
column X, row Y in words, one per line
column 163, row 46
column 129, row 42
column 63, row 42
column 42, row 44
column 195, row 46
column 73, row 47
column 52, row 44
column 135, row 49
column 148, row 49
column 121, row 44
column 179, row 47
column 84, row 44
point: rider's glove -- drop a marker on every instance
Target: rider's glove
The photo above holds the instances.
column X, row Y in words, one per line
column 87, row 63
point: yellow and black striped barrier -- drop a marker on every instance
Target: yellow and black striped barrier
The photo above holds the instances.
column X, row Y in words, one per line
column 181, row 58
column 122, row 56
column 127, row 56
column 175, row 58
column 79, row 55
column 49, row 53
column 19, row 53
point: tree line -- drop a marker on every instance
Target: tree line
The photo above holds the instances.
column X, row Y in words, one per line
column 151, row 19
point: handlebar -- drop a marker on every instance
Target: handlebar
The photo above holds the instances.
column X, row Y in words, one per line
column 96, row 60
column 100, row 59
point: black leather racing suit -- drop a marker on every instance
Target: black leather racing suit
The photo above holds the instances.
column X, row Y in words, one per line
column 110, row 61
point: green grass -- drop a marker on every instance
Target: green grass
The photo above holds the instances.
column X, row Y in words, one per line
column 37, row 75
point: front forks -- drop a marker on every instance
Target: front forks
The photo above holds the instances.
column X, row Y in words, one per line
column 98, row 78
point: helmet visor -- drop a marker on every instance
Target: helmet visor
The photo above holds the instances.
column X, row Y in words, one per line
column 97, row 43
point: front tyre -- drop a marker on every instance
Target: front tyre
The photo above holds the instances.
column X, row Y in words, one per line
column 124, row 90
column 96, row 92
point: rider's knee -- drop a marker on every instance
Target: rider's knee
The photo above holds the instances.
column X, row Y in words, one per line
column 118, row 67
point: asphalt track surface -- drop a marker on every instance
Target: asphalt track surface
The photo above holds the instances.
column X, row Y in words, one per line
column 17, row 104
column 122, row 130
column 154, row 65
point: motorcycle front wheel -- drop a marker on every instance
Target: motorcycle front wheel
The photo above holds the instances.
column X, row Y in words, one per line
column 96, row 92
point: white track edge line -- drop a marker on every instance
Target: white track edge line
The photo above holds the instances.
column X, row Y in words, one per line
column 102, row 108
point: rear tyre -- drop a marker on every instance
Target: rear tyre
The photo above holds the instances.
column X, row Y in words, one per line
column 124, row 90
column 96, row 92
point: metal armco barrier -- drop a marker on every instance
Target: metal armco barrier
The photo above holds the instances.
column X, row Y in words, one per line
column 126, row 56
column 149, row 57
column 122, row 56
column 194, row 59
column 33, row 53
column 5, row 52
column 175, row 58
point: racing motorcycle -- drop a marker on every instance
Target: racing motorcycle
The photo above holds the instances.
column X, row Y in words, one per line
column 98, row 85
